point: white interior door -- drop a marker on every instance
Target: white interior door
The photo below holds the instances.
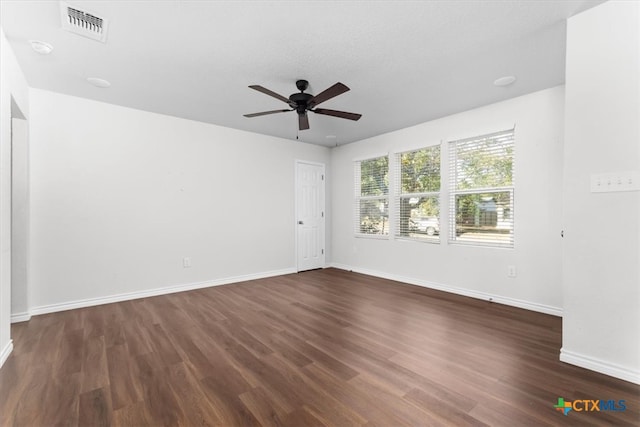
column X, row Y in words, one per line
column 310, row 215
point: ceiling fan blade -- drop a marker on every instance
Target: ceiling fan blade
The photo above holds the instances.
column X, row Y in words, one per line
column 333, row 91
column 334, row 113
column 303, row 121
column 264, row 113
column 270, row 93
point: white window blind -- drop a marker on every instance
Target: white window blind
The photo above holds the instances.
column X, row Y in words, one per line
column 482, row 190
column 372, row 196
column 417, row 195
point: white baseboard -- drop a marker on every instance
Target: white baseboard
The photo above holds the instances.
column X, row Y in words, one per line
column 601, row 366
column 541, row 308
column 6, row 351
column 20, row 317
column 89, row 302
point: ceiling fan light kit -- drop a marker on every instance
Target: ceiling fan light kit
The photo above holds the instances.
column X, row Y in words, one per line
column 302, row 102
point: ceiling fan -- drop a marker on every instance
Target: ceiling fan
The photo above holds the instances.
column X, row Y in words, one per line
column 303, row 102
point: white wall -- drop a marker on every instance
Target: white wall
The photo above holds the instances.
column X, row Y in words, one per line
column 12, row 85
column 474, row 271
column 601, row 278
column 120, row 196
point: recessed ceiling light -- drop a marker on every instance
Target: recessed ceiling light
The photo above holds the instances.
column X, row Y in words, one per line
column 41, row 47
column 504, row 81
column 97, row 82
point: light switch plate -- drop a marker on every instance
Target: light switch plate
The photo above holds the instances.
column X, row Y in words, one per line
column 615, row 181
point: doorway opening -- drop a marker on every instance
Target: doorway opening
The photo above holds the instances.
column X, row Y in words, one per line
column 19, row 215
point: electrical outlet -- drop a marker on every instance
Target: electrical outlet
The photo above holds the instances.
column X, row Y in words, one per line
column 511, row 271
column 186, row 262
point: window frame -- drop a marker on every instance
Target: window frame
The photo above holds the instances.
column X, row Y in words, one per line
column 454, row 192
column 384, row 198
column 398, row 196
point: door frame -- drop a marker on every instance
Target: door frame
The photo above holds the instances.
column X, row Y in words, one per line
column 20, row 219
column 323, row 230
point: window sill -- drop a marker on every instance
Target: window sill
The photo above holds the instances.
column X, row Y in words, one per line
column 411, row 239
column 372, row 236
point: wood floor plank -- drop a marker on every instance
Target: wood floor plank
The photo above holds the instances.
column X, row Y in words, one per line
column 496, row 414
column 316, row 400
column 267, row 411
column 442, row 409
column 320, row 357
column 289, row 352
column 137, row 336
column 65, row 393
column 196, row 408
column 303, row 417
column 94, row 322
column 245, row 338
column 70, row 357
column 357, row 399
column 114, row 334
column 163, row 346
column 95, row 408
column 325, row 347
column 200, row 363
column 94, row 364
column 228, row 406
column 123, row 380
column 466, row 381
column 22, row 390
column 160, row 399
column 403, row 411
column 136, row 414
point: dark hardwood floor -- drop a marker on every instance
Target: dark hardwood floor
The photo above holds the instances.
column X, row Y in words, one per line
column 320, row 348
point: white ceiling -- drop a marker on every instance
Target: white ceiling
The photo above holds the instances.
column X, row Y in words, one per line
column 406, row 62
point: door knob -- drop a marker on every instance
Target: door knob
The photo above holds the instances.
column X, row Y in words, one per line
column 300, row 222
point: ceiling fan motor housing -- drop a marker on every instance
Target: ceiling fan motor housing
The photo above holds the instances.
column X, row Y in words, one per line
column 299, row 101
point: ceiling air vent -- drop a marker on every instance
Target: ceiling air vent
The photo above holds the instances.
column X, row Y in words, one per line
column 83, row 23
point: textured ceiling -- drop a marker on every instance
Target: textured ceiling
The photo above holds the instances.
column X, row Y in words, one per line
column 405, row 62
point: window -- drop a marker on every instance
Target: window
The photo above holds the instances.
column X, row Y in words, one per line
column 417, row 178
column 372, row 196
column 481, row 190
